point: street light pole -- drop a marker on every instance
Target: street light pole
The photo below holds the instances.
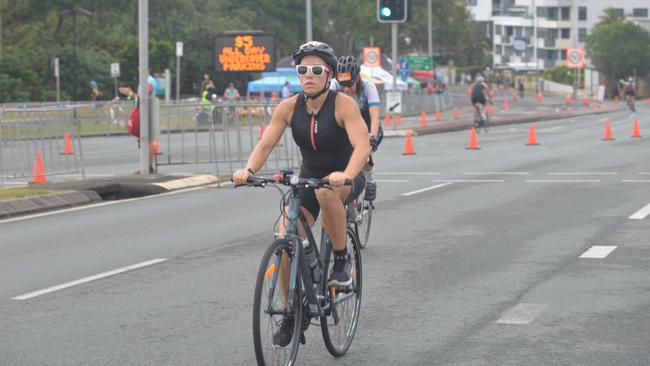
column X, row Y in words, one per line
column 430, row 26
column 535, row 47
column 308, row 19
column 143, row 64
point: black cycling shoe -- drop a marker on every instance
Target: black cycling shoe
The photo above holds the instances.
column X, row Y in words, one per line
column 282, row 337
column 371, row 191
column 341, row 269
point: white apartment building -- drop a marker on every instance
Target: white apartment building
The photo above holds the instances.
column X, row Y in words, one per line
column 555, row 25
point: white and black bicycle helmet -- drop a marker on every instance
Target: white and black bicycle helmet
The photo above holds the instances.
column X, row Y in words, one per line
column 320, row 49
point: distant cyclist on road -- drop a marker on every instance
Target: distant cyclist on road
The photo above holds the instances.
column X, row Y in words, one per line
column 333, row 141
column 629, row 90
column 348, row 80
column 479, row 94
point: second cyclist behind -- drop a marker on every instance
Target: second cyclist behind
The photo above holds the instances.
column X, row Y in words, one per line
column 479, row 95
column 348, row 80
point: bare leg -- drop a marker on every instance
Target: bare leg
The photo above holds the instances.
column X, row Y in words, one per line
column 331, row 203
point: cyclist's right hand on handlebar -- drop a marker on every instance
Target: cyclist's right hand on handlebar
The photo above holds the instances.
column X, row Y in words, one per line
column 241, row 176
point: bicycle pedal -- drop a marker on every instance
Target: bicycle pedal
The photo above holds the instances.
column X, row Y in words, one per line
column 303, row 340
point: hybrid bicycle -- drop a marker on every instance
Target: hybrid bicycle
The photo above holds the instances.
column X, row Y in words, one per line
column 290, row 287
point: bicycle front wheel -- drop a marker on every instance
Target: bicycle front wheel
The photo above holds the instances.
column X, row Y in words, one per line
column 364, row 214
column 270, row 308
column 340, row 325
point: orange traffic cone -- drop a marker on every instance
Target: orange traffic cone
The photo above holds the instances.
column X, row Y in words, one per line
column 635, row 129
column 608, row 132
column 423, row 119
column 647, row 101
column 505, row 104
column 616, row 99
column 438, row 116
column 456, row 114
column 259, row 136
column 585, row 101
column 514, row 97
column 473, row 143
column 387, row 120
column 408, row 148
column 39, row 171
column 398, row 120
column 531, row 136
column 489, row 109
column 67, row 150
column 539, row 98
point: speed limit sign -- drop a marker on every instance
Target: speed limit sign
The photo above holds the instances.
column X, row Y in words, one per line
column 575, row 58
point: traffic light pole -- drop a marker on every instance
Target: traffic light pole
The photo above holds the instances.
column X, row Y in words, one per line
column 393, row 29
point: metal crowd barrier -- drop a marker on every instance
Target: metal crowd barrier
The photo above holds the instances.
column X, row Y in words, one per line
column 220, row 134
column 24, row 134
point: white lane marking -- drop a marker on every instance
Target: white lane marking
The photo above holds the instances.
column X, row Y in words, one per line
column 391, row 180
column 635, row 181
column 563, row 181
column 407, row 173
column 496, row 173
column 101, row 204
column 583, row 173
column 468, row 181
column 598, row 251
column 425, row 189
column 641, row 214
column 88, row 279
column 644, row 173
column 521, row 314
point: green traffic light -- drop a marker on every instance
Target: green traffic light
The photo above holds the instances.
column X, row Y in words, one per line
column 385, row 11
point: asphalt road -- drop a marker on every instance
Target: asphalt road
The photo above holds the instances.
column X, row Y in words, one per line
column 483, row 269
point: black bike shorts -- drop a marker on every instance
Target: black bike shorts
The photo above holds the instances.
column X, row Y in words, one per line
column 478, row 98
column 308, row 199
column 630, row 93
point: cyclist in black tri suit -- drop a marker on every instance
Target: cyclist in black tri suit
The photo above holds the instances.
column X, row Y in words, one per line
column 348, row 80
column 333, row 141
column 480, row 92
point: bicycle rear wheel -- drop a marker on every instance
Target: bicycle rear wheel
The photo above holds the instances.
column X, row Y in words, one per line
column 364, row 214
column 269, row 310
column 340, row 325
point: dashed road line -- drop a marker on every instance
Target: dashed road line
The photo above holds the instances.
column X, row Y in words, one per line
column 635, row 180
column 391, row 180
column 641, row 214
column 583, row 173
column 468, row 181
column 407, row 173
column 563, row 181
column 496, row 173
column 88, row 279
column 598, row 252
column 521, row 314
column 425, row 189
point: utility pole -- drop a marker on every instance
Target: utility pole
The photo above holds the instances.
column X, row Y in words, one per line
column 430, row 27
column 143, row 64
column 535, row 41
column 308, row 19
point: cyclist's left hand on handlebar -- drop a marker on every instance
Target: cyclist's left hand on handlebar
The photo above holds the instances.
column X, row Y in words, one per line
column 337, row 179
column 374, row 142
column 241, row 176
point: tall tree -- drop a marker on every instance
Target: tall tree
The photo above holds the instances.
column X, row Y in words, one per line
column 619, row 49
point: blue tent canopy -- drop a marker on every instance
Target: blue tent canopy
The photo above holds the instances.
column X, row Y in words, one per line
column 274, row 81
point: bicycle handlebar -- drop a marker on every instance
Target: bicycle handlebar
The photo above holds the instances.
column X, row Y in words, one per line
column 291, row 181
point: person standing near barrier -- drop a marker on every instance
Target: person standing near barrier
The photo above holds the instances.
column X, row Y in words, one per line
column 231, row 95
column 332, row 136
column 348, row 80
column 95, row 92
column 285, row 90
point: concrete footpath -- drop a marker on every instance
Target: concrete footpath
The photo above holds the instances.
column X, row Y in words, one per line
column 76, row 193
